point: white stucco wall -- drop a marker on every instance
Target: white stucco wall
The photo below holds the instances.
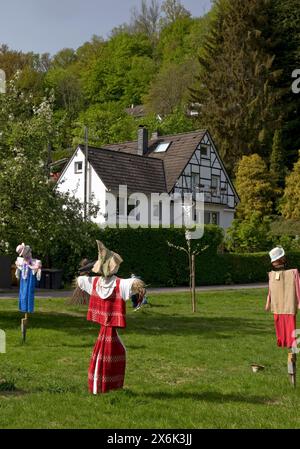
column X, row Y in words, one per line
column 74, row 184
column 226, row 215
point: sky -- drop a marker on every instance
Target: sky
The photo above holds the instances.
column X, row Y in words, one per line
column 46, row 26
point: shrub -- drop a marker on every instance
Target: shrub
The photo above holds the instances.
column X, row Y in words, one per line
column 249, row 235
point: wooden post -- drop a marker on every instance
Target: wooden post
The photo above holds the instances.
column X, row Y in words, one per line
column 190, row 268
column 24, row 323
column 292, row 368
column 193, row 284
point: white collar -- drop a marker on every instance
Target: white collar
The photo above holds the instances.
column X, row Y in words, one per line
column 105, row 286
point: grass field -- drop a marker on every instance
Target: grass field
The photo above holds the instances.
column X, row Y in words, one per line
column 183, row 370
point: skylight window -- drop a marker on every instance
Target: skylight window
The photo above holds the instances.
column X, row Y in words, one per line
column 162, row 147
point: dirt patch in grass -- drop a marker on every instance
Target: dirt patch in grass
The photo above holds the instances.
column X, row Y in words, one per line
column 12, row 394
column 8, row 389
column 7, row 386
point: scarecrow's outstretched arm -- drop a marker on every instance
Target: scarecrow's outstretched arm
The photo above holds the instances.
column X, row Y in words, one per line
column 138, row 288
column 297, row 285
column 82, row 291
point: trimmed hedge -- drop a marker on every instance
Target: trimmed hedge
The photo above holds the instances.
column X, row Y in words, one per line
column 147, row 254
column 232, row 268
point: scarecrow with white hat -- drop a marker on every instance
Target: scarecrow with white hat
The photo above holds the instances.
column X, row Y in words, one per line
column 107, row 307
column 28, row 271
column 284, row 301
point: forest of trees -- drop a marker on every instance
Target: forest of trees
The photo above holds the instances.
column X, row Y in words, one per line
column 233, row 67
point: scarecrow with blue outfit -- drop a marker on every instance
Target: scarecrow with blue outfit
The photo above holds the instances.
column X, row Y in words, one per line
column 28, row 271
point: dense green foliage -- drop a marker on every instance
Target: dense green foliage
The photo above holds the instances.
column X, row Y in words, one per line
column 241, row 90
column 249, row 235
column 291, row 199
column 31, row 209
column 94, row 84
column 244, row 85
column 154, row 60
column 254, row 186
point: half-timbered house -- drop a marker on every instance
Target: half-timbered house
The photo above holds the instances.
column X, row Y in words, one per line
column 179, row 163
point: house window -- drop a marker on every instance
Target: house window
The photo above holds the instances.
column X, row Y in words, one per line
column 195, row 180
column 78, row 167
column 215, row 218
column 215, row 184
column 162, row 147
column 120, row 207
column 212, row 218
column 156, row 210
column 204, row 151
column 130, row 208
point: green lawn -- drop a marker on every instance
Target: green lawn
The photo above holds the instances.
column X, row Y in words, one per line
column 183, row 370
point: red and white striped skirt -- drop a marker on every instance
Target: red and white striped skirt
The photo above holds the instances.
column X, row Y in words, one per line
column 108, row 362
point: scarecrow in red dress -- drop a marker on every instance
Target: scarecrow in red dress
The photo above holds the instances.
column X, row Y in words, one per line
column 107, row 307
column 284, row 301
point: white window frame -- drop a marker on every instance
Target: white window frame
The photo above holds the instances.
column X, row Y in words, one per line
column 121, row 206
column 162, row 147
column 156, row 210
column 211, row 213
column 76, row 169
column 216, row 189
column 193, row 176
column 207, row 147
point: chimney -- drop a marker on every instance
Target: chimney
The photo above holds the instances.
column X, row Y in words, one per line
column 142, row 140
column 155, row 135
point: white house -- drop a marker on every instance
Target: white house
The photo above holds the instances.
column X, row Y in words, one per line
column 180, row 163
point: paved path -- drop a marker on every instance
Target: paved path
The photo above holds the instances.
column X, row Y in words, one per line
column 41, row 293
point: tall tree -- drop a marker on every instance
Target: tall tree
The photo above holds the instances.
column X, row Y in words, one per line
column 285, row 19
column 31, row 69
column 123, row 72
column 31, row 210
column 107, row 123
column 64, row 58
column 290, row 206
column 173, row 44
column 146, row 19
column 277, row 160
column 254, row 186
column 67, row 87
column 233, row 89
column 169, row 89
column 173, row 10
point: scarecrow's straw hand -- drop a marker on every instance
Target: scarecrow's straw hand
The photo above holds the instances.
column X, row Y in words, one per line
column 138, row 287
